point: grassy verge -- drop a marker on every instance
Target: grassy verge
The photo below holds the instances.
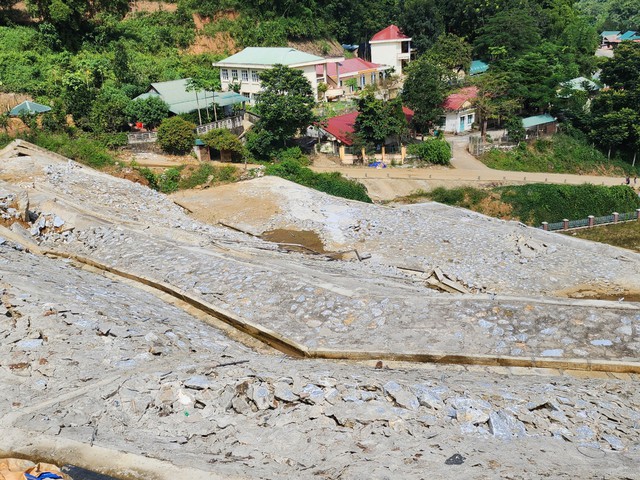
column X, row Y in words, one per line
column 625, row 235
column 560, row 154
column 537, row 203
column 332, row 183
column 188, row 176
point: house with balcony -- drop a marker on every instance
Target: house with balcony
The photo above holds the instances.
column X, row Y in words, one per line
column 242, row 70
column 391, row 47
column 347, row 77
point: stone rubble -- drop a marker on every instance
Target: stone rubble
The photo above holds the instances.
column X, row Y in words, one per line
column 92, row 358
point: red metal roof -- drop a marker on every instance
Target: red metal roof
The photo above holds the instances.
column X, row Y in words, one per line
column 342, row 126
column 456, row 100
column 392, row 32
column 349, row 66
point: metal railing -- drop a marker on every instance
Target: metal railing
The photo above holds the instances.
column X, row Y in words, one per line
column 229, row 123
column 592, row 221
column 144, row 137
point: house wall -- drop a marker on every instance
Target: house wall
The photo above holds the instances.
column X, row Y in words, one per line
column 389, row 53
column 452, row 121
column 250, row 87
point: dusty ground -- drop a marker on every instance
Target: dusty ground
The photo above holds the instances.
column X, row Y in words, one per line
column 108, row 359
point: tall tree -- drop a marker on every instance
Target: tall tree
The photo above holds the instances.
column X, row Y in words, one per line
column 379, row 119
column 492, row 101
column 424, row 91
column 451, row 53
column 515, row 30
column 623, row 70
column 286, row 102
column 422, row 21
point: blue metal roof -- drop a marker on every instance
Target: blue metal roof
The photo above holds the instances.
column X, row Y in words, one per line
column 609, row 33
column 627, row 35
column 477, row 67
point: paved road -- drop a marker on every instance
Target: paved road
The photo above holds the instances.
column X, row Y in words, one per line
column 467, row 171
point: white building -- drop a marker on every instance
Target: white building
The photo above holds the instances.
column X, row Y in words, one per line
column 460, row 113
column 391, row 47
column 244, row 68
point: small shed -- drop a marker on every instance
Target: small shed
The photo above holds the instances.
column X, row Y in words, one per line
column 460, row 112
column 28, row 108
column 540, row 125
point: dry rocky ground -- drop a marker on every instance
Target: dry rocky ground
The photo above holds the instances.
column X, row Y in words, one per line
column 104, row 360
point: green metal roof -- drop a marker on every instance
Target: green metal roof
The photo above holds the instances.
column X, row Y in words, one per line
column 608, row 33
column 29, row 108
column 477, row 67
column 174, row 93
column 530, row 122
column 268, row 56
column 222, row 99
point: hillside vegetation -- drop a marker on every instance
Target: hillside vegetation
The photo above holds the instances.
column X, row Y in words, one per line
column 537, row 203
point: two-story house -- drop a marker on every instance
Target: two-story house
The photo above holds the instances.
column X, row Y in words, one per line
column 243, row 69
column 391, row 47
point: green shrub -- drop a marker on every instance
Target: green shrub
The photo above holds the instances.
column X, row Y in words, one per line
column 81, row 149
column 169, row 180
column 434, row 151
column 206, row 172
column 292, row 153
column 175, row 135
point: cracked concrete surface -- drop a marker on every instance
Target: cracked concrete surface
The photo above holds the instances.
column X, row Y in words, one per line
column 99, row 360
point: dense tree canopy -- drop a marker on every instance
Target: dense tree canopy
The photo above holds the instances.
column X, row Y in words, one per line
column 286, row 103
column 424, row 91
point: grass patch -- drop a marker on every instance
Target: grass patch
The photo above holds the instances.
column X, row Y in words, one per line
column 332, row 183
column 536, row 203
column 625, row 235
column 560, row 154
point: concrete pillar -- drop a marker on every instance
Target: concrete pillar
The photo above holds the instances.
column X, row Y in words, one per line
column 364, row 155
column 565, row 224
column 616, row 215
column 545, row 226
column 638, row 214
column 591, row 222
column 403, row 153
column 341, row 152
column 383, row 152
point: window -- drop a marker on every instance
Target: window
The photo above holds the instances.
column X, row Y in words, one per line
column 234, row 74
column 255, row 78
column 225, row 74
column 245, row 75
column 373, row 78
column 340, row 82
column 470, row 119
column 363, row 81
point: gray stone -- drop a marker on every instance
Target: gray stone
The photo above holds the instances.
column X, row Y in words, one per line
column 261, row 396
column 401, row 396
column 198, row 382
column 614, row 442
column 30, row 344
column 504, row 425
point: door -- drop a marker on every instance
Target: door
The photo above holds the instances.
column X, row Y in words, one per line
column 461, row 124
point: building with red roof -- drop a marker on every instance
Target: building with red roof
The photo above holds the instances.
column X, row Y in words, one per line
column 365, row 73
column 391, row 47
column 337, row 133
column 460, row 112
